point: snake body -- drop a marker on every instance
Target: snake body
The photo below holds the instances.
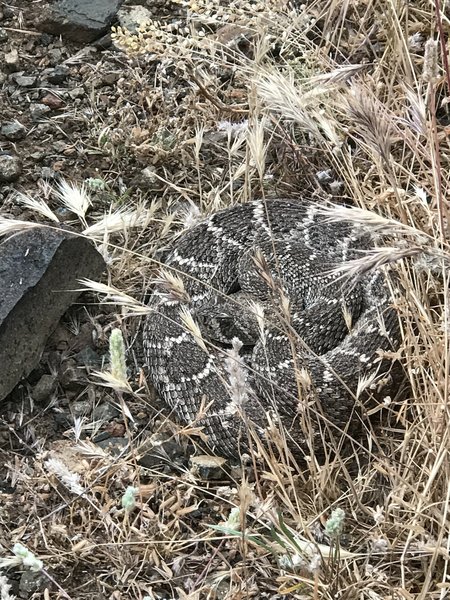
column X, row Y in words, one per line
column 283, row 341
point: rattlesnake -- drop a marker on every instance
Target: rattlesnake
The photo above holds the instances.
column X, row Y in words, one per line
column 300, row 367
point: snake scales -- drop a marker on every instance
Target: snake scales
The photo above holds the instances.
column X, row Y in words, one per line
column 301, row 366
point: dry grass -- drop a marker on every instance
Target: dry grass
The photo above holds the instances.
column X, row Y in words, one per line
column 347, row 100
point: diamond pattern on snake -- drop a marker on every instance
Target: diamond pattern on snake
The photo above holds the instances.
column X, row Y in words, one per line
column 262, row 279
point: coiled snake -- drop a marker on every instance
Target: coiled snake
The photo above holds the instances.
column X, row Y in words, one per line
column 321, row 349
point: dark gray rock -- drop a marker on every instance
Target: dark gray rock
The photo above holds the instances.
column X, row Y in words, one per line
column 11, row 61
column 78, row 20
column 8, row 12
column 63, row 213
column 114, row 445
column 71, row 377
column 10, row 167
column 25, row 81
column 32, row 582
column 87, row 357
column 131, row 17
column 162, row 449
column 207, row 467
column 105, row 411
column 44, row 387
column 81, row 408
column 39, row 268
column 48, row 173
column 57, row 75
column 38, row 111
column 13, row 131
column 77, row 92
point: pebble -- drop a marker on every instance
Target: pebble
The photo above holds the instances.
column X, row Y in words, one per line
column 55, row 55
column 44, row 387
column 105, row 412
column 11, row 60
column 131, row 17
column 38, row 111
column 77, row 92
column 110, row 78
column 52, row 101
column 88, row 357
column 32, row 582
column 25, row 81
column 57, row 75
column 113, row 445
column 8, row 12
column 207, row 467
column 48, row 173
column 13, row 131
column 70, row 376
column 10, row 167
column 81, row 408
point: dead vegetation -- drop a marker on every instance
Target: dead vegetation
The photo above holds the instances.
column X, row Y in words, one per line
column 331, row 100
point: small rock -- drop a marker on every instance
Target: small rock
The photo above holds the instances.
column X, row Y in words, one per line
column 103, row 43
column 116, row 429
column 38, row 111
column 70, row 376
column 3, row 35
column 45, row 39
column 78, row 20
column 81, row 408
column 105, row 412
column 57, row 75
column 60, row 146
column 48, row 173
column 55, row 55
column 10, row 167
column 77, row 92
column 52, row 101
column 8, row 12
column 44, row 387
column 161, row 449
column 131, row 17
column 64, row 214
column 110, row 78
column 149, row 174
column 207, row 467
column 38, row 155
column 30, row 46
column 87, row 357
column 114, row 445
column 32, row 582
column 25, row 81
column 11, row 60
column 40, row 270
column 324, row 176
column 13, row 131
